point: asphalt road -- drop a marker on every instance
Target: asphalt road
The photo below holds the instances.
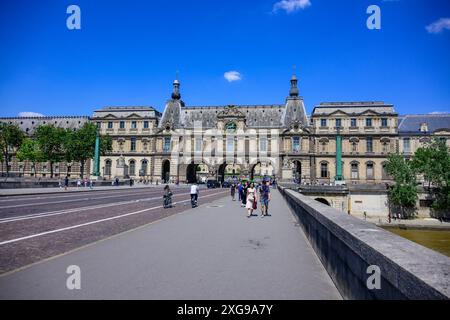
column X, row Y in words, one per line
column 35, row 227
column 210, row 252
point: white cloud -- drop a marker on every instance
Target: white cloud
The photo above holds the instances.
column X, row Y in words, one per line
column 231, row 76
column 438, row 112
column 30, row 114
column 291, row 5
column 439, row 25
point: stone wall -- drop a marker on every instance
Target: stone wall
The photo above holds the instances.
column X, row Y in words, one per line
column 347, row 246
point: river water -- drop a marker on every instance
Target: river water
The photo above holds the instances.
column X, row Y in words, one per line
column 438, row 240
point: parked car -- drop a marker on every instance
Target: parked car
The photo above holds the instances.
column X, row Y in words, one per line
column 213, row 184
column 226, row 184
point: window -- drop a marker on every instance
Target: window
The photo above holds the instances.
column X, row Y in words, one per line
column 384, row 173
column 144, row 168
column 368, row 122
column 133, row 144
column 145, row 124
column 263, row 144
column 198, row 144
column 99, row 124
column 353, row 122
column 384, row 122
column 324, row 170
column 369, row 144
column 296, row 144
column 354, row 146
column 133, row 124
column 110, row 125
column 369, row 171
column 166, row 147
column 122, row 124
column 107, row 168
column 354, row 171
column 323, row 122
column 385, row 147
column 406, row 145
column 230, row 145
column 338, row 123
column 132, row 168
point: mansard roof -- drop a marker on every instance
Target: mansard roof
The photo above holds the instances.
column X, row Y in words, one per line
column 29, row 124
column 411, row 123
column 127, row 112
column 255, row 115
column 353, row 108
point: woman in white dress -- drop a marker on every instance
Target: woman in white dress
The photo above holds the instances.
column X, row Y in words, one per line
column 251, row 199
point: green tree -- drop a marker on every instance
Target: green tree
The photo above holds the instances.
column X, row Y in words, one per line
column 11, row 138
column 403, row 194
column 29, row 150
column 51, row 140
column 432, row 161
column 80, row 144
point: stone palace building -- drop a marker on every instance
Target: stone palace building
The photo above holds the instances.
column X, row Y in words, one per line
column 195, row 143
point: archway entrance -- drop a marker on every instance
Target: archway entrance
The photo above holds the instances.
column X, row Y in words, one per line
column 228, row 172
column 165, row 175
column 324, row 201
column 261, row 170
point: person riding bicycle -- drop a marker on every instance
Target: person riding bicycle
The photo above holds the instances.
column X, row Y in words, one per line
column 167, row 197
column 194, row 195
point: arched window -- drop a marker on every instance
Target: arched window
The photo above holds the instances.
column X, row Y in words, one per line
column 324, row 170
column 384, row 173
column 354, row 170
column 132, row 168
column 107, row 167
column 370, row 174
column 144, row 167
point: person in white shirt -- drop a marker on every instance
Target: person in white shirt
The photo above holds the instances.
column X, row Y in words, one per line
column 194, row 194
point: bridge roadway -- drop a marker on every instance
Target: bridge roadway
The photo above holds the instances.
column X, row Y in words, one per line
column 128, row 247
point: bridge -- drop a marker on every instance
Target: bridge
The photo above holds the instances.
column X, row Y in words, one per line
column 134, row 249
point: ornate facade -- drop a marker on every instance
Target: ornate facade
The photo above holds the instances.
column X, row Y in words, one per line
column 188, row 143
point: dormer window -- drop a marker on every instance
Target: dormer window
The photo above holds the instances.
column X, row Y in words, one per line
column 424, row 127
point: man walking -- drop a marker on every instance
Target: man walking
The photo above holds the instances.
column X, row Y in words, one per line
column 194, row 195
column 66, row 182
column 265, row 198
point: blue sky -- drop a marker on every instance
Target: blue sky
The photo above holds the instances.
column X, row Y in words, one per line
column 128, row 52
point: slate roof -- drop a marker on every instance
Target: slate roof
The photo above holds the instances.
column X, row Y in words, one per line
column 124, row 112
column 411, row 123
column 353, row 108
column 29, row 124
column 255, row 115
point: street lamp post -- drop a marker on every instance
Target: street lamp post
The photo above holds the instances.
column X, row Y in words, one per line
column 96, row 172
column 338, row 178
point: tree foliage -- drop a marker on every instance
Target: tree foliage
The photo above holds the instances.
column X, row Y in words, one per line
column 29, row 150
column 11, row 138
column 403, row 194
column 432, row 161
column 51, row 140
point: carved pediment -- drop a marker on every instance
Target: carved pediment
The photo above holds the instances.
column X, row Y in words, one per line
column 230, row 112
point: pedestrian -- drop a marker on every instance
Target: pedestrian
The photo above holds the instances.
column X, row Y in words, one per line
column 66, row 182
column 167, row 197
column 78, row 183
column 265, row 197
column 239, row 189
column 117, row 181
column 244, row 194
column 60, row 183
column 85, row 182
column 91, row 184
column 251, row 199
column 131, row 182
column 194, row 195
column 233, row 192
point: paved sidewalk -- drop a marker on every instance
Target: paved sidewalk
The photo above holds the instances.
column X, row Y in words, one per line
column 211, row 252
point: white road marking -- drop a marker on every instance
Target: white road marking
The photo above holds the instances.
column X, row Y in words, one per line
column 95, row 221
column 92, row 197
column 76, row 194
